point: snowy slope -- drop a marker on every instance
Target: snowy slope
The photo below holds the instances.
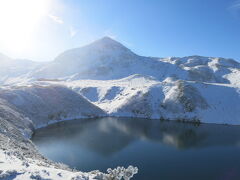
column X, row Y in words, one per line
column 146, row 97
column 46, row 104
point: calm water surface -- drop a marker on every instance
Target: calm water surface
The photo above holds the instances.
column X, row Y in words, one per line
column 160, row 149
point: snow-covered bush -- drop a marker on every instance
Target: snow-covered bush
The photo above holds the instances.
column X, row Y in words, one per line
column 121, row 173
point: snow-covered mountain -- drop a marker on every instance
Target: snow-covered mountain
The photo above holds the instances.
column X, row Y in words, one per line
column 107, row 59
column 103, row 59
column 122, row 83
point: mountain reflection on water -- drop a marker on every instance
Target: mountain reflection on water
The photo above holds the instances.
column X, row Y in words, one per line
column 89, row 144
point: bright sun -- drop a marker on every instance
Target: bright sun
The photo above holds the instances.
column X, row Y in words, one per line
column 18, row 21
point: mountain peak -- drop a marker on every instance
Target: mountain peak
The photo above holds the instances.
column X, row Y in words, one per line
column 107, row 39
column 108, row 42
column 99, row 49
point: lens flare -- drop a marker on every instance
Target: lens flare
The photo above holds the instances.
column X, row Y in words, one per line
column 18, row 21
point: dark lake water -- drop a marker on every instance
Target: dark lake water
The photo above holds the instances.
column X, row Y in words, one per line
column 160, row 149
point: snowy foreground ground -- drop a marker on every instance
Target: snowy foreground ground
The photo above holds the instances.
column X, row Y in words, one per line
column 106, row 79
column 14, row 168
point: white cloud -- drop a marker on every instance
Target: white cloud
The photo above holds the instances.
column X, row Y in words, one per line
column 56, row 19
column 235, row 5
column 72, row 31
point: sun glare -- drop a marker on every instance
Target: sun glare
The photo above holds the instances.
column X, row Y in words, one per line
column 18, row 21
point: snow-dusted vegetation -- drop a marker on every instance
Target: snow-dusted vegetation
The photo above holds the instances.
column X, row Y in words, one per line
column 106, row 79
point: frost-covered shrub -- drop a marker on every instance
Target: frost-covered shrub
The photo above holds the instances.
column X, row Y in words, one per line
column 38, row 177
column 80, row 177
column 121, row 173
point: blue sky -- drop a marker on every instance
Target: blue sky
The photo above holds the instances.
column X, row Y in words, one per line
column 159, row 28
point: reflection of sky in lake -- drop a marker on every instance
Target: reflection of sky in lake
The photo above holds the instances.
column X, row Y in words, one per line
column 168, row 150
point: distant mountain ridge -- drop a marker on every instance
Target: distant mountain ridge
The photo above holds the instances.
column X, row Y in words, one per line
column 107, row 59
column 13, row 68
